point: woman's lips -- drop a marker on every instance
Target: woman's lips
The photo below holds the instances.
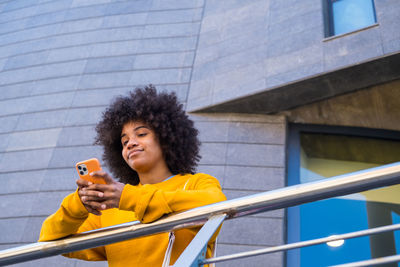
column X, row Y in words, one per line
column 134, row 152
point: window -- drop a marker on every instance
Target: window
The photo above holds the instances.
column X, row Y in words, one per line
column 349, row 15
column 319, row 152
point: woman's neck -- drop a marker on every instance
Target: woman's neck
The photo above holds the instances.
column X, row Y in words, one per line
column 154, row 176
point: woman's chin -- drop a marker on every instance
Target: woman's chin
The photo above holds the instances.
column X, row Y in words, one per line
column 139, row 168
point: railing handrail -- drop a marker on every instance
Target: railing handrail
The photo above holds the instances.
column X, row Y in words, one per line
column 302, row 244
column 276, row 199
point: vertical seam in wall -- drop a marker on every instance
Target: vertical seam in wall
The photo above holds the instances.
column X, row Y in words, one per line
column 379, row 28
column 75, row 92
column 76, row 89
column 325, row 28
column 229, row 120
column 195, row 54
column 13, row 129
column 9, row 136
column 267, row 56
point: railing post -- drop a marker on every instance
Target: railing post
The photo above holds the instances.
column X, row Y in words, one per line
column 196, row 251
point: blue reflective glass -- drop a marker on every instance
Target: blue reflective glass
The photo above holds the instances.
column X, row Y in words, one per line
column 316, row 156
column 321, row 218
column 350, row 15
column 396, row 220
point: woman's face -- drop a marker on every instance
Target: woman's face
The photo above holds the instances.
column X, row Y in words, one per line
column 140, row 147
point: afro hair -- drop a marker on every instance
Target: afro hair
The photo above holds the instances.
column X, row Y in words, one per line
column 163, row 113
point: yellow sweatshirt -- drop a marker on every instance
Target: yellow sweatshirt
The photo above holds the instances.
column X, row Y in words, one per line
column 142, row 202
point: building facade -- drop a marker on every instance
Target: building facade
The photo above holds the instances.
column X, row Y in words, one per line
column 254, row 75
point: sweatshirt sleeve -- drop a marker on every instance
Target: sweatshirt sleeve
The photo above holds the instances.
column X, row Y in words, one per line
column 150, row 203
column 72, row 217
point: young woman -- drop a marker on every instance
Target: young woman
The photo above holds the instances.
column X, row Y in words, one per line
column 151, row 146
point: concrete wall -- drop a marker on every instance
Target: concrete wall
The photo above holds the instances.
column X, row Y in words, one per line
column 248, row 47
column 377, row 107
column 247, row 154
column 62, row 61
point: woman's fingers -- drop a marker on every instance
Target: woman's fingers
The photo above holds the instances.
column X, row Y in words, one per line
column 87, row 192
column 101, row 205
column 108, row 201
column 83, row 183
column 97, row 197
column 108, row 190
column 100, row 196
column 104, row 175
column 97, row 200
column 87, row 196
column 91, row 210
column 97, row 205
column 85, row 199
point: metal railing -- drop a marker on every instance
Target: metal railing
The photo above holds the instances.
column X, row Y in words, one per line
column 211, row 217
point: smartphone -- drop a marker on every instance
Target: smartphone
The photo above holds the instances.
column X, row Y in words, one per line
column 84, row 168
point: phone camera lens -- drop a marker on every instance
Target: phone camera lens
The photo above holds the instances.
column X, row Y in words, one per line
column 84, row 169
column 81, row 172
column 79, row 167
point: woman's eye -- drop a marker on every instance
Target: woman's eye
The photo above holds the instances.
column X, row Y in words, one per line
column 142, row 134
column 124, row 143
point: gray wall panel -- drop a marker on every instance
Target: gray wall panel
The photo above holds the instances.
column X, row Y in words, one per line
column 233, row 145
column 62, row 62
column 30, row 140
column 19, row 182
column 12, row 229
column 55, row 85
column 273, row 260
column 59, row 179
column 41, row 120
column 8, row 123
column 64, row 157
column 17, row 205
column 279, row 43
column 252, row 231
column 25, row 160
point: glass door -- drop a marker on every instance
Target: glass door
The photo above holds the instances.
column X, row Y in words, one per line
column 321, row 154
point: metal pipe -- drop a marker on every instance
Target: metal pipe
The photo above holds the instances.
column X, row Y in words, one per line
column 372, row 262
column 190, row 255
column 272, row 200
column 302, row 244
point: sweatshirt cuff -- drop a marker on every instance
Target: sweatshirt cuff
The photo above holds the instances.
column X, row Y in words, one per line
column 75, row 206
column 127, row 200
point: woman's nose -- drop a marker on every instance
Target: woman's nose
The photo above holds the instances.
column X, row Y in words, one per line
column 132, row 143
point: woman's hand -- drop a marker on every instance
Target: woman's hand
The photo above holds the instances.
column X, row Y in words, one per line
column 97, row 197
column 82, row 185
